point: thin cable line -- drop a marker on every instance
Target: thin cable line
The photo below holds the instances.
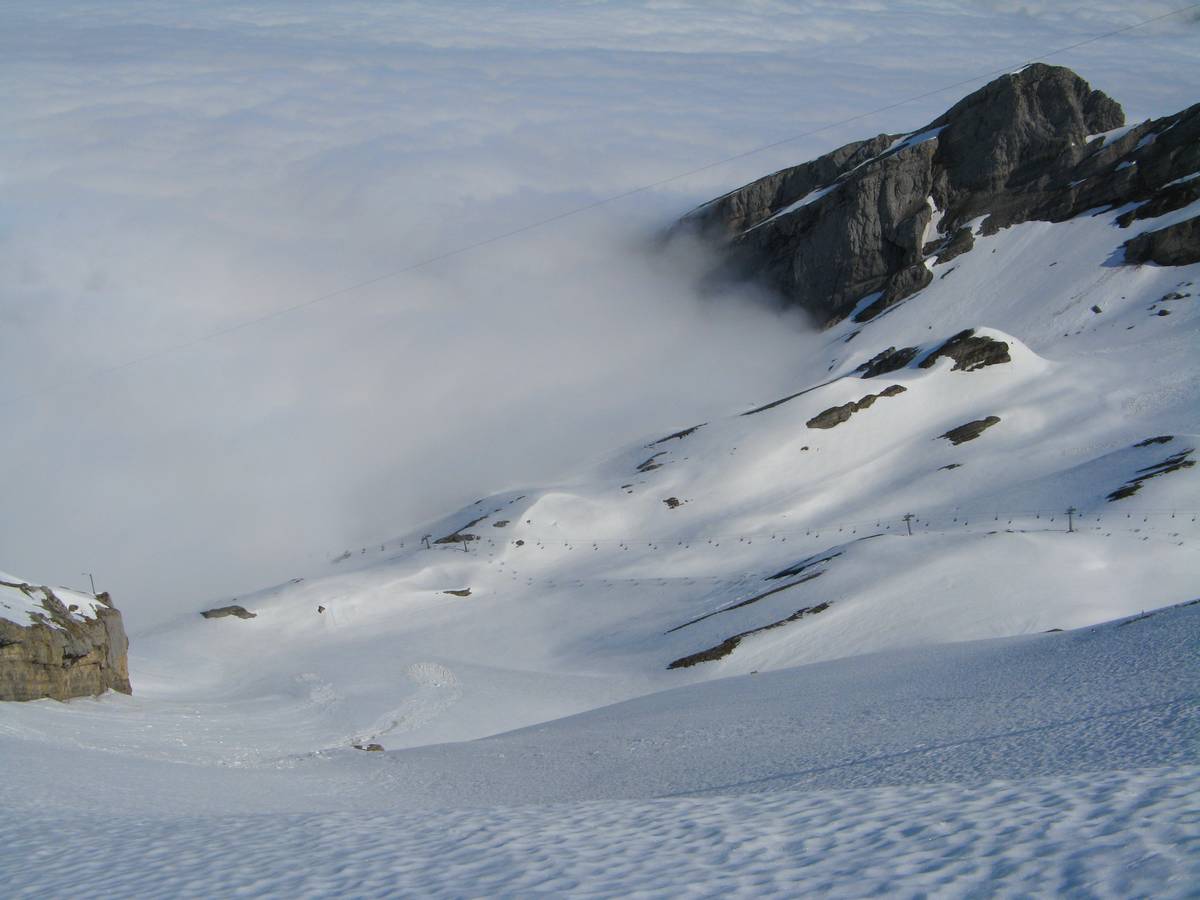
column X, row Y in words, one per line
column 558, row 217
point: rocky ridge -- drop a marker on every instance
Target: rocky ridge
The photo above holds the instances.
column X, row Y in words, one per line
column 863, row 227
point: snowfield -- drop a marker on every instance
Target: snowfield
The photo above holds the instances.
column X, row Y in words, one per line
column 1048, row 764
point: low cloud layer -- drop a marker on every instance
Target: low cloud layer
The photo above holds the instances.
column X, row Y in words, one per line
column 170, row 171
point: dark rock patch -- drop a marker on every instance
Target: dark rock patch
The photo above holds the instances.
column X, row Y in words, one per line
column 970, row 431
column 728, row 645
column 1161, row 439
column 650, row 465
column 370, row 748
column 969, row 352
column 1127, row 490
column 673, row 502
column 747, row 602
column 950, row 466
column 464, row 592
column 900, row 286
column 833, row 416
column 222, row 611
column 1169, row 199
column 1175, row 245
column 502, row 523
column 886, row 361
column 459, row 536
column 836, row 415
column 1173, row 463
column 962, row 241
column 1155, row 612
column 679, row 435
column 712, row 654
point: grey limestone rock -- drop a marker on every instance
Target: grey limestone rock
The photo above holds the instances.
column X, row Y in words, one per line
column 847, row 233
column 61, row 653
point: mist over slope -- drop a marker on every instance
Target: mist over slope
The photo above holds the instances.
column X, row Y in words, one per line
column 174, row 170
column 1008, row 450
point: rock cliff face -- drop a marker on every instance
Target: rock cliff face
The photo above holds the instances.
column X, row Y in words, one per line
column 59, row 648
column 863, row 227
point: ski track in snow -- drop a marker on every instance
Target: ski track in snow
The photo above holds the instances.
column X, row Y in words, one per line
column 437, row 691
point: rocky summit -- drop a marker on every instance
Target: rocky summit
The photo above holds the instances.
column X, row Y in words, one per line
column 865, row 226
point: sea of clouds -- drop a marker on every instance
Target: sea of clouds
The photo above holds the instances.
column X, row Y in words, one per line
column 173, row 170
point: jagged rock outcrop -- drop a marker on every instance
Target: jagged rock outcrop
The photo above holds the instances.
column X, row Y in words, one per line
column 888, row 360
column 836, row 415
column 970, row 431
column 860, row 229
column 64, row 650
column 970, row 351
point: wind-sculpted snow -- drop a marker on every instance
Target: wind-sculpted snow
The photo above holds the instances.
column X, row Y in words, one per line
column 1058, row 763
column 1124, row 833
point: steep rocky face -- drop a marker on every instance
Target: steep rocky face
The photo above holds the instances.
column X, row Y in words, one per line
column 63, row 650
column 862, row 228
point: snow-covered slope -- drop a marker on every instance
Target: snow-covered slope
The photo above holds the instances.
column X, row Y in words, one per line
column 1057, row 763
column 584, row 592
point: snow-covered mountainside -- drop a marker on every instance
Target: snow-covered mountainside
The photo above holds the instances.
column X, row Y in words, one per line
column 1005, row 447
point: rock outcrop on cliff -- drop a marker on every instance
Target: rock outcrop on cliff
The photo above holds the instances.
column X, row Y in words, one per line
column 863, row 227
column 58, row 644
